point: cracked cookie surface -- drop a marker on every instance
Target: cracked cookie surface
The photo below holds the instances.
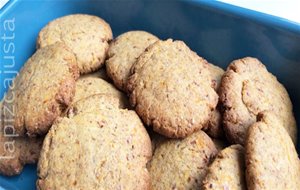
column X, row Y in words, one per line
column 104, row 147
column 169, row 89
column 247, row 88
column 181, row 163
column 86, row 35
column 43, row 89
column 227, row 171
column 271, row 158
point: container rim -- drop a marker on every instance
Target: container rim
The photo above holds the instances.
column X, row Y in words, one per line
column 258, row 17
column 226, row 8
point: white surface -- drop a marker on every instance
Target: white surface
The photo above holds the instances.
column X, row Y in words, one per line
column 3, row 2
column 288, row 9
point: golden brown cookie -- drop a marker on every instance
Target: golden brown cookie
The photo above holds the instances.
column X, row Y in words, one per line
column 181, row 163
column 169, row 89
column 43, row 89
column 248, row 88
column 91, row 84
column 86, row 35
column 123, row 53
column 227, row 171
column 271, row 158
column 103, row 147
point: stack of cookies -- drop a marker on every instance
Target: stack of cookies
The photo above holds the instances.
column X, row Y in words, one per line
column 137, row 112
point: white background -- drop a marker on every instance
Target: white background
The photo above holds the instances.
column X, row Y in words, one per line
column 288, row 9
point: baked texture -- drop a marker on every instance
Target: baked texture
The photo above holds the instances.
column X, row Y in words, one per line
column 181, row 163
column 43, row 89
column 214, row 126
column 169, row 89
column 104, row 147
column 91, row 84
column 86, row 35
column 227, row 171
column 17, row 151
column 271, row 158
column 123, row 53
column 247, row 89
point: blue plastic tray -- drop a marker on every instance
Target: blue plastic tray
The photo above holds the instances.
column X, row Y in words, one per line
column 217, row 31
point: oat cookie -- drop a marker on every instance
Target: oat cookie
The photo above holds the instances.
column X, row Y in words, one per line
column 227, row 170
column 123, row 53
column 91, row 84
column 169, row 89
column 86, row 35
column 44, row 87
column 104, row 147
column 271, row 158
column 247, row 88
column 181, row 163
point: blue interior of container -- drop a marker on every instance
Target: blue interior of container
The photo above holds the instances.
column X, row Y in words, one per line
column 219, row 32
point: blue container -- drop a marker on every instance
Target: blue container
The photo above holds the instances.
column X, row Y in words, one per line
column 217, row 31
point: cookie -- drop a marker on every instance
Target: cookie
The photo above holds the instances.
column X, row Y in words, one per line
column 169, row 89
column 123, row 53
column 181, row 163
column 271, row 158
column 86, row 35
column 248, row 88
column 15, row 152
column 227, row 171
column 104, row 147
column 43, row 89
column 91, row 84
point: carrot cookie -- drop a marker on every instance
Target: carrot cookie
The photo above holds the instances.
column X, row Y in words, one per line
column 271, row 158
column 227, row 170
column 43, row 89
column 169, row 89
column 247, row 88
column 86, row 35
column 181, row 163
column 104, row 147
column 123, row 53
